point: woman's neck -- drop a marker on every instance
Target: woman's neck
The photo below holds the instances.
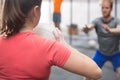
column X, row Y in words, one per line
column 28, row 26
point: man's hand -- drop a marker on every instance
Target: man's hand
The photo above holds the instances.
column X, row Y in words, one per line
column 85, row 29
column 106, row 27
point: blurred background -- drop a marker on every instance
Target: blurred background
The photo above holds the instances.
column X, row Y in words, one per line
column 77, row 13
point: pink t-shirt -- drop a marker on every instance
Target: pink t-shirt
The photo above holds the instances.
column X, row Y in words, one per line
column 27, row 56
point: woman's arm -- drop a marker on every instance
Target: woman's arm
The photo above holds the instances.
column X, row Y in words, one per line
column 77, row 62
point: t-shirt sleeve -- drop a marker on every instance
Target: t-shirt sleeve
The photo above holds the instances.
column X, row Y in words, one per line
column 58, row 54
column 118, row 21
column 94, row 22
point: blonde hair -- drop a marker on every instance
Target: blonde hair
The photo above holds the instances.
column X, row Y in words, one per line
column 110, row 1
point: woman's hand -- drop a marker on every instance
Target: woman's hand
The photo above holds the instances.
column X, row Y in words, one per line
column 58, row 35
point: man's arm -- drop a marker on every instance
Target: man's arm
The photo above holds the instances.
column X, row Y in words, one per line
column 87, row 28
column 112, row 30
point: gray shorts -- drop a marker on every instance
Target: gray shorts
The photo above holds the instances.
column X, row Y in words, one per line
column 56, row 17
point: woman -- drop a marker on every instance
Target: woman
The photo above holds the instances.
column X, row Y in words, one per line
column 27, row 56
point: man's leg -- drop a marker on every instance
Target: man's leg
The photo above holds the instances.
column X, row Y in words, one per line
column 116, row 63
column 118, row 72
column 57, row 20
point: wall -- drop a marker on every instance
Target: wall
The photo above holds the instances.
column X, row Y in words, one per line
column 82, row 11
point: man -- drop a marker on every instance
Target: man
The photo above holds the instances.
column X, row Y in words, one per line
column 107, row 29
column 57, row 13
